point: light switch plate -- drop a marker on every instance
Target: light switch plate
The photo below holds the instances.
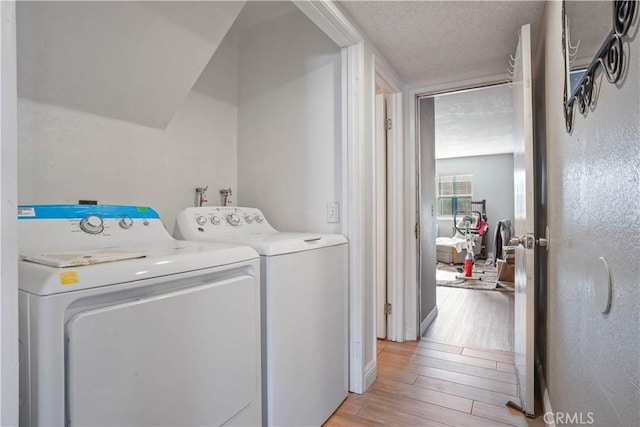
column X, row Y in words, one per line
column 333, row 212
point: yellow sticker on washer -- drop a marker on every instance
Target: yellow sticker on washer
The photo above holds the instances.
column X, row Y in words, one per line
column 68, row 278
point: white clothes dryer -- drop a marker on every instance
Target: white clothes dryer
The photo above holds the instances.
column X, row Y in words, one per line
column 120, row 324
column 304, row 308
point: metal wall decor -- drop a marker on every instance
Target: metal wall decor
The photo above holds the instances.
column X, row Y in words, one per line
column 609, row 58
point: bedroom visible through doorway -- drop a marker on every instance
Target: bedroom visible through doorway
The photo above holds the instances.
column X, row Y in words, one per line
column 472, row 196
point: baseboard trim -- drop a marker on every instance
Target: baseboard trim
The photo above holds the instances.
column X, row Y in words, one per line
column 428, row 320
column 546, row 400
column 370, row 374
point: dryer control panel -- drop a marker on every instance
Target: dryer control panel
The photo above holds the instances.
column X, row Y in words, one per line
column 45, row 228
column 217, row 221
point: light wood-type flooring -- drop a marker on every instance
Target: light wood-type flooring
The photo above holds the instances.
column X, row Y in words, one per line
column 473, row 318
column 460, row 374
column 426, row 383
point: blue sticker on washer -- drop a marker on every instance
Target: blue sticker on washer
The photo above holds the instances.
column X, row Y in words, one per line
column 82, row 211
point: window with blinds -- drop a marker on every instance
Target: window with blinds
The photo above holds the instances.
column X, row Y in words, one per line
column 454, row 194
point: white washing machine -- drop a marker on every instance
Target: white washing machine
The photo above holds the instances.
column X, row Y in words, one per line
column 304, row 291
column 120, row 324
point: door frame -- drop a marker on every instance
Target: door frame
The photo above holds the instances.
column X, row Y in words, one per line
column 8, row 217
column 388, row 80
column 413, row 327
column 380, row 139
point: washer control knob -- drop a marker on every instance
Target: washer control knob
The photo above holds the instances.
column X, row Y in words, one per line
column 215, row 220
column 248, row 218
column 201, row 220
column 92, row 224
column 233, row 219
column 259, row 218
column 126, row 223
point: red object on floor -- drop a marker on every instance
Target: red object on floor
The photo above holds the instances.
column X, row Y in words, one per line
column 468, row 266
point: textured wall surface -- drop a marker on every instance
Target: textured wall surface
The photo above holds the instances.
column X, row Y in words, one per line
column 592, row 359
column 66, row 155
column 289, row 116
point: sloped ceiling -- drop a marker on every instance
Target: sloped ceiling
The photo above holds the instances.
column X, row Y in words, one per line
column 439, row 41
column 134, row 61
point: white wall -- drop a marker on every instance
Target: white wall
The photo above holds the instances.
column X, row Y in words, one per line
column 8, row 220
column 492, row 180
column 66, row 155
column 289, row 128
column 591, row 360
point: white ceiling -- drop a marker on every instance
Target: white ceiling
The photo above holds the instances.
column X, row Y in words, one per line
column 474, row 123
column 430, row 42
column 438, row 41
column 589, row 24
column 133, row 61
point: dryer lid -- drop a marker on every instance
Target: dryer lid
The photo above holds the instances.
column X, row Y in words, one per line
column 89, row 257
column 159, row 260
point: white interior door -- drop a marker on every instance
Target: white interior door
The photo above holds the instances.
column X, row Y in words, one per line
column 381, row 216
column 523, row 163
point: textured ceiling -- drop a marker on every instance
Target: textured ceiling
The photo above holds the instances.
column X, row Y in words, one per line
column 589, row 24
column 474, row 123
column 431, row 41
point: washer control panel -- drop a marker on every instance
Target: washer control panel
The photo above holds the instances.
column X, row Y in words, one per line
column 233, row 219
column 221, row 220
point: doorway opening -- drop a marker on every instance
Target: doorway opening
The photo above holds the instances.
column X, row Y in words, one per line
column 466, row 193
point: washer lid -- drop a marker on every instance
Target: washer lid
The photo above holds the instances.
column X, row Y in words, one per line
column 270, row 244
column 160, row 259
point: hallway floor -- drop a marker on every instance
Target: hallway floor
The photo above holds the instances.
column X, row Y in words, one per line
column 460, row 374
column 473, row 318
column 427, row 383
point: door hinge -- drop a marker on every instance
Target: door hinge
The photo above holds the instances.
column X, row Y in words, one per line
column 387, row 124
column 387, row 309
column 417, row 230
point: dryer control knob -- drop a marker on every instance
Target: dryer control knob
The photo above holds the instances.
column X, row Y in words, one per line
column 215, row 220
column 233, row 219
column 248, row 218
column 259, row 218
column 92, row 224
column 126, row 223
column 201, row 220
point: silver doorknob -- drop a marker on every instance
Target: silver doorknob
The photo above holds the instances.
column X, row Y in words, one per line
column 529, row 242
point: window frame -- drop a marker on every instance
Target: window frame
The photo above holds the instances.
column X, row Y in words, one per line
column 458, row 177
